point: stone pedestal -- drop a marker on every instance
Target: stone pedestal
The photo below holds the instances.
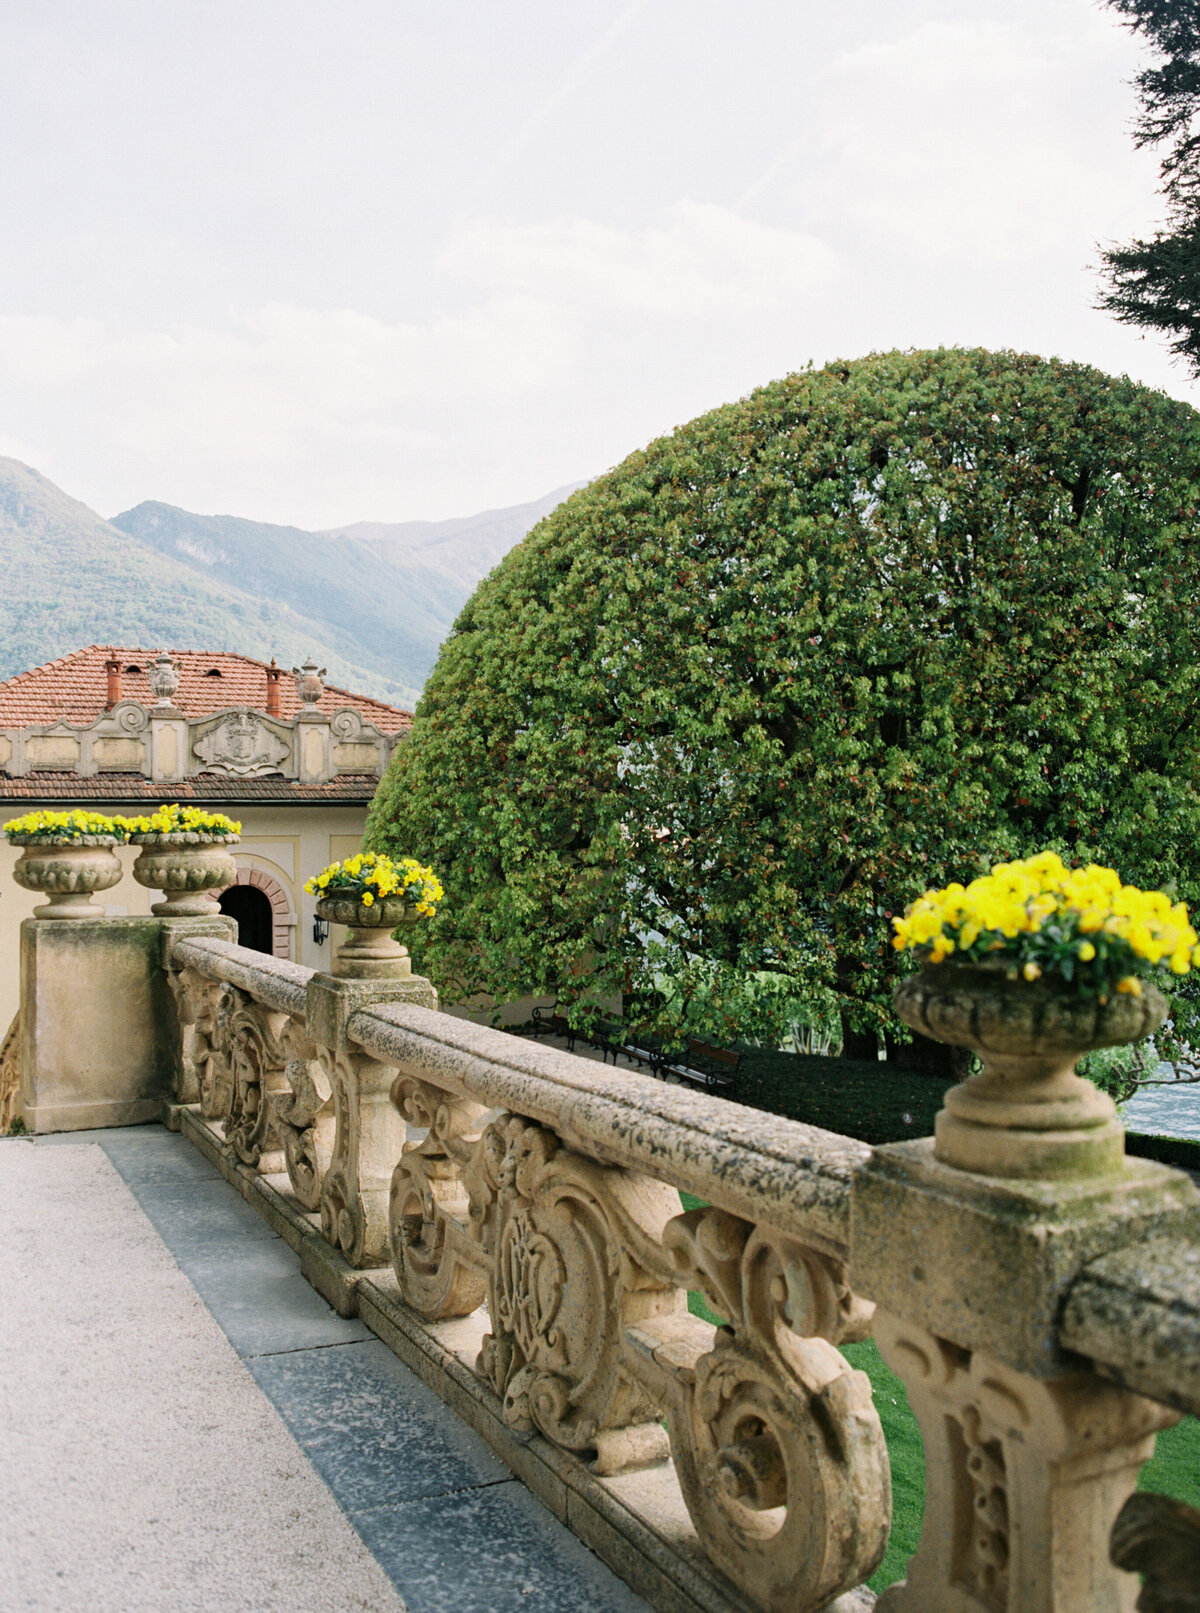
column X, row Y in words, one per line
column 100, row 1042
column 1029, row 1454
column 986, row 1261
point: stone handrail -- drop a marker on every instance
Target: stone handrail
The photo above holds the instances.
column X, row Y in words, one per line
column 464, row 1178
column 751, row 1163
column 276, row 982
column 1136, row 1315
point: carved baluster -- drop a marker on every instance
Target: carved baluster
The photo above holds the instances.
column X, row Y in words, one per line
column 190, row 1003
column 438, row 1260
column 196, row 1007
column 302, row 1115
column 569, row 1247
column 368, row 1138
column 215, row 1071
column 253, row 1039
column 776, row 1440
column 1023, row 1477
column 1160, row 1539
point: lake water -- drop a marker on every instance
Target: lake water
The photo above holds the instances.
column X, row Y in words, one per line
column 1165, row 1113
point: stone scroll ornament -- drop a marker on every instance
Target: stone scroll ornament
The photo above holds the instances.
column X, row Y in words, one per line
column 195, row 1009
column 437, row 1253
column 776, row 1440
column 367, row 1139
column 203, row 1007
column 301, row 1113
column 560, row 1247
column 571, row 1248
column 253, row 1039
column 1159, row 1538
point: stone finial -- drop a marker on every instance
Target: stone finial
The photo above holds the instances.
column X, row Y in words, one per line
column 164, row 678
column 310, row 684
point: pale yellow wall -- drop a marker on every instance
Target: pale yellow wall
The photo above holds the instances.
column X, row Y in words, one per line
column 290, row 842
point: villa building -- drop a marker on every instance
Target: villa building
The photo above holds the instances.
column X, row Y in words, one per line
column 118, row 730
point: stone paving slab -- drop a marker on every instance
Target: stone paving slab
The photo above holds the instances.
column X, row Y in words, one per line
column 141, row 1468
column 444, row 1517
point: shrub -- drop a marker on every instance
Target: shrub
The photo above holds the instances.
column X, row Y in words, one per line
column 736, row 703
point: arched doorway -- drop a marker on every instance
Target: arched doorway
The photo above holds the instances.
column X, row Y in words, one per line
column 255, row 916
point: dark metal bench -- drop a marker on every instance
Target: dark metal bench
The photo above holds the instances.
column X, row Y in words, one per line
column 546, row 1022
column 701, row 1064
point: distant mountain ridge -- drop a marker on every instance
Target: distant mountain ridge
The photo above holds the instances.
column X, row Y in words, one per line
column 372, row 602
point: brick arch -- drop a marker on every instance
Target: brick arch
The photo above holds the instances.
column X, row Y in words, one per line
column 282, row 911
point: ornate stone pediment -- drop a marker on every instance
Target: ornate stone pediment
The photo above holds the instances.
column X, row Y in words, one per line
column 241, row 744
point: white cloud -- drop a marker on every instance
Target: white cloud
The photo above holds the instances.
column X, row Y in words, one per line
column 983, row 139
column 270, row 396
column 705, row 261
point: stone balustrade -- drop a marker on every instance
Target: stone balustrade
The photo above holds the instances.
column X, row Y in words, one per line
column 508, row 1218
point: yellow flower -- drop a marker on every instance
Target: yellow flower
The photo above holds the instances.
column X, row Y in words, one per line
column 1129, row 986
column 367, row 899
column 1086, row 952
column 1032, row 971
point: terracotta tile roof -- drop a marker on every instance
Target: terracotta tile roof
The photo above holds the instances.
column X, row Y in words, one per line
column 74, row 689
column 133, row 789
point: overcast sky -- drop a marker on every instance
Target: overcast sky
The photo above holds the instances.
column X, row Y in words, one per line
column 318, row 261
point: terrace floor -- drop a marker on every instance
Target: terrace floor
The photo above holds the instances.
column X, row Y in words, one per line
column 189, row 1426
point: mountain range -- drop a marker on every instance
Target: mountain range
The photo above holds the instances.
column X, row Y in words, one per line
column 372, row 602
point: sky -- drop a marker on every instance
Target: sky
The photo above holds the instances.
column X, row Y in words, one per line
column 321, row 261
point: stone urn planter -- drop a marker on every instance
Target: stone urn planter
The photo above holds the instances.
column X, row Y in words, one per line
column 369, row 952
column 185, row 865
column 1026, row 1113
column 68, row 871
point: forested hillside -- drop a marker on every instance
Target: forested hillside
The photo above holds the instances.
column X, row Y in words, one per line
column 386, row 595
column 372, row 609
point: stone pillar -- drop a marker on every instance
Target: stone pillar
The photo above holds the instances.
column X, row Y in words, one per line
column 100, row 1043
column 368, row 1133
column 1029, row 1455
column 314, row 748
column 168, row 744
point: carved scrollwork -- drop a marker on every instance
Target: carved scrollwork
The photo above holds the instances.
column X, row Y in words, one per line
column 776, row 1440
column 196, row 1009
column 346, row 724
column 1159, row 1538
column 368, row 1138
column 437, row 1260
column 253, row 1037
column 571, row 1249
column 131, row 717
column 301, row 1113
column 1021, row 1476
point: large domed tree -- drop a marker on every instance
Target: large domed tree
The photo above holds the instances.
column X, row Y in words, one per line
column 734, row 704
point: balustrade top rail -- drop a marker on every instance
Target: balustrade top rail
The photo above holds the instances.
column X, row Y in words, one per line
column 274, row 981
column 1136, row 1313
column 795, row 1177
column 758, row 1165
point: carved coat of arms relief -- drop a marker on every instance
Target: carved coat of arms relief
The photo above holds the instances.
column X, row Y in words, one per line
column 241, row 744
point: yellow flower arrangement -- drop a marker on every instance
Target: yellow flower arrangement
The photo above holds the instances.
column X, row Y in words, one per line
column 53, row 826
column 371, row 876
column 1039, row 917
column 176, row 819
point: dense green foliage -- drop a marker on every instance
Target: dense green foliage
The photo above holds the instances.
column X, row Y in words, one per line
column 1155, row 284
column 737, row 702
